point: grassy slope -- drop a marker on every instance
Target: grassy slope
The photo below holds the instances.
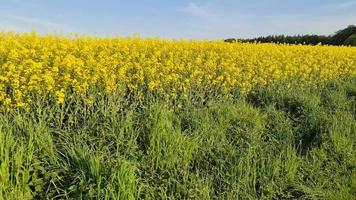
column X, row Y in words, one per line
column 273, row 144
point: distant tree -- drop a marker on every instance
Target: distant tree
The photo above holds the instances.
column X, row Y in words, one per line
column 341, row 36
column 230, row 40
column 351, row 40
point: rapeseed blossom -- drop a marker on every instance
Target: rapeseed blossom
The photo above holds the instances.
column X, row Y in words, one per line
column 54, row 65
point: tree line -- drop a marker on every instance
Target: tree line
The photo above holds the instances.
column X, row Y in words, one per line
column 346, row 36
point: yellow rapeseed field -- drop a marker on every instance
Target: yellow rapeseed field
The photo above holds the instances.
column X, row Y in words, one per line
column 31, row 64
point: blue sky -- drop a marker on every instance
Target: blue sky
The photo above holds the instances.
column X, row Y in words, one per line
column 190, row 19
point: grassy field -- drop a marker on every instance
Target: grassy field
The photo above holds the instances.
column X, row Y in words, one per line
column 283, row 131
column 272, row 144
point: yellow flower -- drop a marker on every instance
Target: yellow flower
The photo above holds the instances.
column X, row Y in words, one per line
column 7, row 102
column 53, row 65
column 60, row 95
column 152, row 85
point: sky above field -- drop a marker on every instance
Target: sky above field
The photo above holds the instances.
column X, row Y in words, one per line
column 191, row 19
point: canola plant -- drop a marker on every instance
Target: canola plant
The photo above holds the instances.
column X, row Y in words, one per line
column 66, row 66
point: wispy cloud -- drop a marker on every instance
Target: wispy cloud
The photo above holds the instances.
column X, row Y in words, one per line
column 194, row 9
column 25, row 23
column 342, row 5
column 347, row 4
column 220, row 21
column 199, row 10
column 212, row 19
column 32, row 21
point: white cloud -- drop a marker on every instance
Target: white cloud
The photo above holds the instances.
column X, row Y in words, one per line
column 218, row 19
column 32, row 21
column 194, row 9
column 24, row 23
column 200, row 11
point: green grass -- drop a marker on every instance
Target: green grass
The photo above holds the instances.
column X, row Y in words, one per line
column 271, row 144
